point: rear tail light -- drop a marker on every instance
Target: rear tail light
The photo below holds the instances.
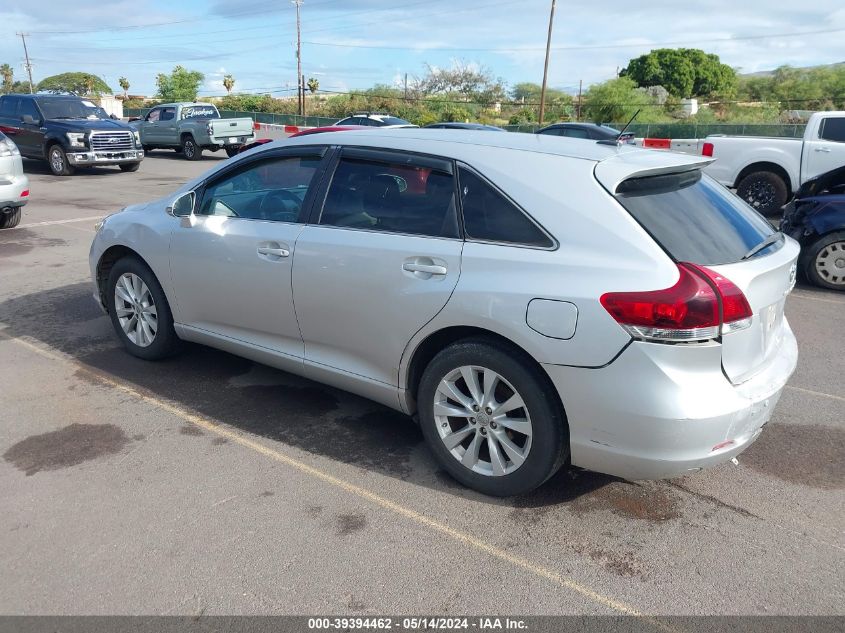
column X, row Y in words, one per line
column 700, row 306
column 24, row 193
column 707, row 149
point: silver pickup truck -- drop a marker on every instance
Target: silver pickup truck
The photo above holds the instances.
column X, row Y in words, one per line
column 192, row 127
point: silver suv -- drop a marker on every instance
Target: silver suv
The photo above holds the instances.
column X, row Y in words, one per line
column 14, row 185
column 533, row 300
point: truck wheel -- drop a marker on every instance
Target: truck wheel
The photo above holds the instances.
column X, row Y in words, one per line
column 765, row 191
column 232, row 151
column 824, row 261
column 129, row 166
column 10, row 220
column 57, row 159
column 190, row 149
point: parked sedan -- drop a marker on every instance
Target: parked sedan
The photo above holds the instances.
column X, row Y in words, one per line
column 454, row 125
column 443, row 274
column 816, row 218
column 14, row 185
column 587, row 131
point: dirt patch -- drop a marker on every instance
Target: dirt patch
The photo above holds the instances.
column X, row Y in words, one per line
column 805, row 454
column 267, row 493
column 621, row 563
column 632, row 501
column 66, row 447
column 350, row 522
column 190, row 429
column 219, row 441
column 21, row 241
column 314, row 511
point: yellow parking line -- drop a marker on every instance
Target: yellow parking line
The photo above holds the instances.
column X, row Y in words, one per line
column 437, row 526
column 821, row 394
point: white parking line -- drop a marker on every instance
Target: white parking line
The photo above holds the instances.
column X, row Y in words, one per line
column 820, row 394
column 52, row 222
column 812, row 298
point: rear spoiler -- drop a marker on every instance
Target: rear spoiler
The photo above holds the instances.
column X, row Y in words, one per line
column 623, row 166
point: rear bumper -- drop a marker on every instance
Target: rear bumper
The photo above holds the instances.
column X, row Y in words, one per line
column 105, row 158
column 232, row 141
column 662, row 411
column 11, row 194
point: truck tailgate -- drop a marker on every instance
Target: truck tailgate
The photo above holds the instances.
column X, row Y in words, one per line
column 230, row 128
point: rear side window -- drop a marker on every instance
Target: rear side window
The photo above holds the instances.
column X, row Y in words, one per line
column 573, row 132
column 396, row 198
column 833, row 130
column 8, row 106
column 694, row 218
column 489, row 216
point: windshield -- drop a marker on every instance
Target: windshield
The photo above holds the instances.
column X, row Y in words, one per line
column 200, row 112
column 392, row 120
column 71, row 109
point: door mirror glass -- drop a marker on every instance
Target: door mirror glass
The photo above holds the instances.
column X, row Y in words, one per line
column 183, row 205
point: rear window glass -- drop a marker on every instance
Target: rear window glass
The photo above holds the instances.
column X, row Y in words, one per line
column 694, row 218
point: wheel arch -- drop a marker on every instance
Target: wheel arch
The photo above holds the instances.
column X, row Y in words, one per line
column 107, row 261
column 765, row 166
column 436, row 341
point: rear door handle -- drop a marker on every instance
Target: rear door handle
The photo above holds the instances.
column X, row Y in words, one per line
column 431, row 269
column 274, row 252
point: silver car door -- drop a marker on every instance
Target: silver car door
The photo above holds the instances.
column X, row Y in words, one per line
column 380, row 263
column 231, row 260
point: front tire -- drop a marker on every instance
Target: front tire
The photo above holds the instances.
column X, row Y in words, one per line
column 129, row 167
column 190, row 149
column 824, row 261
column 57, row 159
column 10, row 220
column 139, row 311
column 765, row 191
column 486, row 413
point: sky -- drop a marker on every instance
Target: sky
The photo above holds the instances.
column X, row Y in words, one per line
column 354, row 44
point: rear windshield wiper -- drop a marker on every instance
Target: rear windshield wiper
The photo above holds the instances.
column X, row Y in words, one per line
column 774, row 237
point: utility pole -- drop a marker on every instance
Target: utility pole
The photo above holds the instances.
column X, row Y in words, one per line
column 300, row 88
column 546, row 65
column 406, row 86
column 578, row 111
column 27, row 65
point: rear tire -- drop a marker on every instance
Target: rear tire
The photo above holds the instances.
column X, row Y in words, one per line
column 487, row 446
column 190, row 149
column 765, row 191
column 232, row 151
column 129, row 166
column 150, row 335
column 824, row 261
column 10, row 220
column 57, row 160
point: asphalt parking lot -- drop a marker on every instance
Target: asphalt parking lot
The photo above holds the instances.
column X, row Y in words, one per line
column 208, row 484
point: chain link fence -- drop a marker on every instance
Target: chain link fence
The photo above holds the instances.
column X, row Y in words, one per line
column 258, row 117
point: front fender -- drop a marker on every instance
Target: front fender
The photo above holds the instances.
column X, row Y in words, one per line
column 827, row 218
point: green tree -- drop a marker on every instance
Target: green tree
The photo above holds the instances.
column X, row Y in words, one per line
column 180, row 85
column 228, row 83
column 21, row 87
column 615, row 101
column 684, row 72
column 77, row 83
column 313, row 85
column 124, row 83
column 8, row 75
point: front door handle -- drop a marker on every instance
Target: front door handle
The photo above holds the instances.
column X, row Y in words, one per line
column 826, row 150
column 273, row 252
column 431, row 269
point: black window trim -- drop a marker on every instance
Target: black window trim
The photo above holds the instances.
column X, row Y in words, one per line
column 299, row 151
column 461, row 165
column 387, row 156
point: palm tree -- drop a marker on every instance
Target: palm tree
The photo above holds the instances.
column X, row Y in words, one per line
column 89, row 84
column 124, row 83
column 8, row 74
column 228, row 83
column 313, row 84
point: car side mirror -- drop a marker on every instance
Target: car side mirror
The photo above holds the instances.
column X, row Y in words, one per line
column 113, row 116
column 183, row 206
column 30, row 120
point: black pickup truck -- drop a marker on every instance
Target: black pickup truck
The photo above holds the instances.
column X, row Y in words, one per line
column 68, row 132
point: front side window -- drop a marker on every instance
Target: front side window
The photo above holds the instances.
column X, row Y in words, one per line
column 168, row 114
column 489, row 216
column 396, row 198
column 27, row 106
column 833, row 130
column 574, row 132
column 154, row 115
column 273, row 189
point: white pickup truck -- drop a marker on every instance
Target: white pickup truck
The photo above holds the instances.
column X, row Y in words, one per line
column 767, row 171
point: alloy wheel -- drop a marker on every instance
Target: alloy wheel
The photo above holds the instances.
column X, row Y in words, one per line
column 830, row 263
column 135, row 309
column 482, row 420
column 761, row 194
column 57, row 161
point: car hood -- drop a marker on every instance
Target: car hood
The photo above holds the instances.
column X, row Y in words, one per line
column 816, row 185
column 83, row 125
